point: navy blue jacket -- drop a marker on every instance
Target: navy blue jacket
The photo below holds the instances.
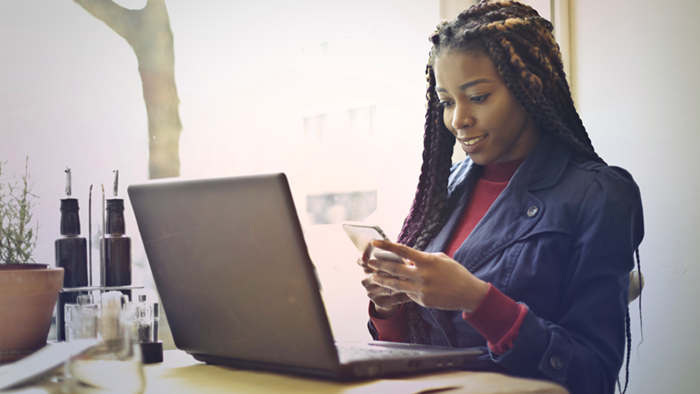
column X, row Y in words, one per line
column 560, row 239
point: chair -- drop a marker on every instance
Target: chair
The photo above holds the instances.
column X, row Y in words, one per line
column 636, row 285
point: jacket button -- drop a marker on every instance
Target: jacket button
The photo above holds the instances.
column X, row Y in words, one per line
column 532, row 211
column 556, row 363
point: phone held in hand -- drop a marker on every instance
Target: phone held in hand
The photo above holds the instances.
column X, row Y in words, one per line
column 361, row 234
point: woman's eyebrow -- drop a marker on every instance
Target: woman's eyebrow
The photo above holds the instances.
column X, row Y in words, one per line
column 466, row 85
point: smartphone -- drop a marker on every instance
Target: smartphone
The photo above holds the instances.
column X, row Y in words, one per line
column 361, row 234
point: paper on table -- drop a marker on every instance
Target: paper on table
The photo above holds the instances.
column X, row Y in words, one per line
column 52, row 356
column 460, row 382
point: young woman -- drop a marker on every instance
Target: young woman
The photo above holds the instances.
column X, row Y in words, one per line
column 525, row 247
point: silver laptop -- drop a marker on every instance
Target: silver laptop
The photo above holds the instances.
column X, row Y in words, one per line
column 238, row 286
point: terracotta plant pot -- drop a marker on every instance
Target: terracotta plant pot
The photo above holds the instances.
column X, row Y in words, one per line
column 27, row 299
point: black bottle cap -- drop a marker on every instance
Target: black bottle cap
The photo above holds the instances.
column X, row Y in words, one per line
column 69, row 205
column 70, row 221
column 152, row 352
column 115, row 216
column 115, row 204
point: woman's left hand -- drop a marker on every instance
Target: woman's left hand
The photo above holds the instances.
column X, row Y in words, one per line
column 432, row 280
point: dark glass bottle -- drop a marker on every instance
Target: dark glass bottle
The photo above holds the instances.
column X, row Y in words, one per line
column 117, row 248
column 71, row 254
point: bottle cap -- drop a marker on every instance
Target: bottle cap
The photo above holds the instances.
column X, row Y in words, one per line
column 69, row 204
column 115, row 204
column 70, row 220
column 152, row 352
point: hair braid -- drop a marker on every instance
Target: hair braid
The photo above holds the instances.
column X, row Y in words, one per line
column 424, row 219
column 415, row 219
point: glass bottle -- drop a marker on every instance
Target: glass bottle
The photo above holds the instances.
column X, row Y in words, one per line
column 144, row 320
column 71, row 254
column 116, row 248
column 82, row 319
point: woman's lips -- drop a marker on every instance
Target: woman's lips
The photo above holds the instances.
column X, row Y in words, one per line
column 470, row 145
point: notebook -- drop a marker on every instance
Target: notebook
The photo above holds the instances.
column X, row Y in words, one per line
column 238, row 287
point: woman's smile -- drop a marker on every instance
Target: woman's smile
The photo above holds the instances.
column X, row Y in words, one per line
column 469, row 143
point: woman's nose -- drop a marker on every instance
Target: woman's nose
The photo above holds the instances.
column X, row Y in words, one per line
column 462, row 117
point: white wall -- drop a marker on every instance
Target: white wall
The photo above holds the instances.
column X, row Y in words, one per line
column 637, row 84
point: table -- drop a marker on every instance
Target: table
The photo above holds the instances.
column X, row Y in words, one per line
column 181, row 373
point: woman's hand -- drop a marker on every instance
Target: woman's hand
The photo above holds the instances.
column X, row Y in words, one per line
column 386, row 301
column 432, row 280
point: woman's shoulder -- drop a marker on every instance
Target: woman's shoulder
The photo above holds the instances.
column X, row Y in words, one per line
column 611, row 180
column 597, row 191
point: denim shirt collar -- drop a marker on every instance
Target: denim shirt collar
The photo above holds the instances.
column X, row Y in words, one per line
column 541, row 169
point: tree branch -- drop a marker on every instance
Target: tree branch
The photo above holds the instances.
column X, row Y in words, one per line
column 123, row 21
column 148, row 32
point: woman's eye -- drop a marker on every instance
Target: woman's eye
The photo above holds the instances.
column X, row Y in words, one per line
column 479, row 99
column 445, row 104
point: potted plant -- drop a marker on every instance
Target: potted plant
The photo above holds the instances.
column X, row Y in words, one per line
column 28, row 291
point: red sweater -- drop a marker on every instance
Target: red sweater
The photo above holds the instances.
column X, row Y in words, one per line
column 498, row 317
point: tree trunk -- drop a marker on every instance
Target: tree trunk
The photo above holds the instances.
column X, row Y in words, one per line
column 148, row 32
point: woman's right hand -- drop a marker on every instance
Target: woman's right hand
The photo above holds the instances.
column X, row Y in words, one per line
column 386, row 301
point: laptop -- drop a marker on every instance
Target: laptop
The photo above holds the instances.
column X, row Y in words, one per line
column 238, row 287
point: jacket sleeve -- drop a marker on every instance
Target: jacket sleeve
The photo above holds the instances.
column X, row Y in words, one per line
column 584, row 348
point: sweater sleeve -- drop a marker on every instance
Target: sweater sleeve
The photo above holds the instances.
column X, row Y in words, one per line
column 498, row 319
column 392, row 329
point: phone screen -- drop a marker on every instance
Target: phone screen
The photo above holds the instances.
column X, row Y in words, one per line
column 362, row 234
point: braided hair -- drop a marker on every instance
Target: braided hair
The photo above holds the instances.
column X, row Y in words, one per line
column 521, row 45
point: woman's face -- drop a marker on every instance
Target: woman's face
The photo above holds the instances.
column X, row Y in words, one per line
column 480, row 110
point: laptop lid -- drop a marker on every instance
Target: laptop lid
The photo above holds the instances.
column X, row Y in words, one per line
column 230, row 263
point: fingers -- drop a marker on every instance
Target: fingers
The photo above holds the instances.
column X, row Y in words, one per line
column 391, row 268
column 366, row 253
column 362, row 263
column 383, row 297
column 393, row 283
column 374, row 290
column 387, row 302
column 401, row 250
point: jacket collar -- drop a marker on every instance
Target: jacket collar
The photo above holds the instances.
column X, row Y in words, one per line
column 544, row 165
column 541, row 169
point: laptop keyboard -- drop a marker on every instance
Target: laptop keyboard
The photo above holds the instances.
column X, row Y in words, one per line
column 349, row 353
